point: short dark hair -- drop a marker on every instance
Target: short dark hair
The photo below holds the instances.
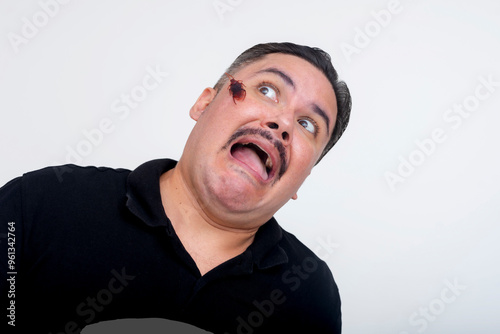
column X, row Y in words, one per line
column 317, row 57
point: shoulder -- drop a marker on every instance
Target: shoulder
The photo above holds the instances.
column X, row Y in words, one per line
column 61, row 177
column 70, row 184
column 69, row 175
column 299, row 253
column 294, row 246
column 71, row 172
column 312, row 293
column 302, row 258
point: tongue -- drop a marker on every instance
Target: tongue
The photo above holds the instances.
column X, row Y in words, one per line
column 250, row 158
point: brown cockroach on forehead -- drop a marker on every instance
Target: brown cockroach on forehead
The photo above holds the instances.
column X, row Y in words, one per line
column 236, row 89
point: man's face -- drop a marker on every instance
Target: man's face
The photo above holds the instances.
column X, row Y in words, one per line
column 247, row 158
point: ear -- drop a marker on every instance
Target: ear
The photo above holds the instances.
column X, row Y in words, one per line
column 294, row 197
column 203, row 101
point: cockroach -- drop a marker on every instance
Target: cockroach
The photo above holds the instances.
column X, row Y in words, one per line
column 236, row 89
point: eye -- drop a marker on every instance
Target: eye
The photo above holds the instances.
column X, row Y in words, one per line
column 309, row 125
column 269, row 91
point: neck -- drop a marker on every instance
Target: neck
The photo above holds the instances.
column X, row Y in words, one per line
column 209, row 241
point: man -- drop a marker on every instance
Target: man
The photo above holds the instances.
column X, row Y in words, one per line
column 193, row 241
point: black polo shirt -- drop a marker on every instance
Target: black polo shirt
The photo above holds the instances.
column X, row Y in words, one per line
column 94, row 244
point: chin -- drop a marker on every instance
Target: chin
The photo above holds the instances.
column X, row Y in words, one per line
column 232, row 194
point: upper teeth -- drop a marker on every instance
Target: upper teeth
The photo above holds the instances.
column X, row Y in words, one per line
column 269, row 163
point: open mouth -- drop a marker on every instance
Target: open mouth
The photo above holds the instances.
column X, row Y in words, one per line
column 255, row 158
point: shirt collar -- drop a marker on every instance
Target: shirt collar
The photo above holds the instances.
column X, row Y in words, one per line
column 144, row 201
column 143, row 192
column 265, row 249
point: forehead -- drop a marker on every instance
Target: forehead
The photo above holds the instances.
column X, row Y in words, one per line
column 309, row 83
column 294, row 65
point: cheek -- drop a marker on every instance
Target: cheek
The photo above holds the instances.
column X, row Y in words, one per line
column 304, row 154
column 224, row 112
column 217, row 120
column 300, row 166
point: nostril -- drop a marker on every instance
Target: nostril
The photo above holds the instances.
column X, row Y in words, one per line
column 272, row 125
column 275, row 126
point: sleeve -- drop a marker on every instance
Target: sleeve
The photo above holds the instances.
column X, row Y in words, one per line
column 10, row 248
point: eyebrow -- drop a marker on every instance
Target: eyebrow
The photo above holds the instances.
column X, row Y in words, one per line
column 280, row 73
column 323, row 115
column 290, row 82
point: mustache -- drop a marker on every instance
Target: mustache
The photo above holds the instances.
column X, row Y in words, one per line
column 266, row 135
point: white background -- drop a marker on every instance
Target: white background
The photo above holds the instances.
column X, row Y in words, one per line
column 391, row 249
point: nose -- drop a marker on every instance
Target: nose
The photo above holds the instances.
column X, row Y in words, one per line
column 274, row 126
column 282, row 126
